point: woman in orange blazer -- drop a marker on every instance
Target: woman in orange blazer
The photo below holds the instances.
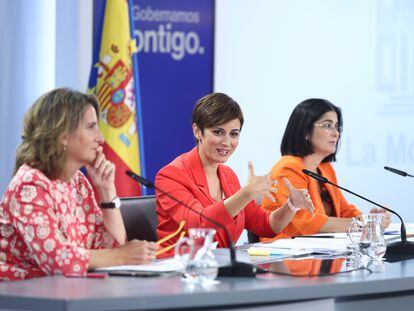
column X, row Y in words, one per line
column 310, row 142
column 200, row 180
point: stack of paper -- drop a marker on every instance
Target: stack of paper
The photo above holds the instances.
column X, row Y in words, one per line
column 263, row 250
column 330, row 246
column 167, row 265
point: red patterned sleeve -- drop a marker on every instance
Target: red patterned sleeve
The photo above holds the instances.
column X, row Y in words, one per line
column 32, row 210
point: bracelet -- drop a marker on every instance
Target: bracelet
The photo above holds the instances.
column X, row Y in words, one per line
column 292, row 207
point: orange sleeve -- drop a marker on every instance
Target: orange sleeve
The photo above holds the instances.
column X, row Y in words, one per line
column 303, row 222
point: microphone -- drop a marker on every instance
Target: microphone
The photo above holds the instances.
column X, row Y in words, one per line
column 395, row 171
column 397, row 251
column 236, row 268
column 316, row 176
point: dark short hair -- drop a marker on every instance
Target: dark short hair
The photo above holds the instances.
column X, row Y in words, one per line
column 215, row 109
column 301, row 124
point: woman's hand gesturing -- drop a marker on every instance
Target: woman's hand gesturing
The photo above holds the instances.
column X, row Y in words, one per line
column 260, row 186
column 300, row 198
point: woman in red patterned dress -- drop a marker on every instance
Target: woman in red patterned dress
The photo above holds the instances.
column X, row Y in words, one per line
column 50, row 221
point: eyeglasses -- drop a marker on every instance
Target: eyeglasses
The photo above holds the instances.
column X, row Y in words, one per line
column 169, row 247
column 329, row 126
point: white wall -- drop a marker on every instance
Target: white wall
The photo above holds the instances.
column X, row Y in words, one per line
column 270, row 55
column 44, row 44
column 27, row 69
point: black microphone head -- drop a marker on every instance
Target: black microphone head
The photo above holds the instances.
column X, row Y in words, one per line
column 307, row 172
column 315, row 176
column 141, row 180
column 395, row 171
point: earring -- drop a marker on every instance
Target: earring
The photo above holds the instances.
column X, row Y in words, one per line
column 64, row 148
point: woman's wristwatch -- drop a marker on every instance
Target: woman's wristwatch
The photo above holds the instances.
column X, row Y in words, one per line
column 115, row 203
column 292, row 207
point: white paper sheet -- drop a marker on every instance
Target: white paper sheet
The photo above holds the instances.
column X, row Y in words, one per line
column 331, row 246
column 167, row 265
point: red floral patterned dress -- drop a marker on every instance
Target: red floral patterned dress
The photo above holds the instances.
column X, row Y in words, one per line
column 48, row 226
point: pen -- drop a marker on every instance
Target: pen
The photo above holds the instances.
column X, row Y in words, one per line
column 88, row 275
column 96, row 275
column 315, row 236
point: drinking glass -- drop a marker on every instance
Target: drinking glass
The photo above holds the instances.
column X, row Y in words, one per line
column 195, row 253
column 372, row 243
column 353, row 235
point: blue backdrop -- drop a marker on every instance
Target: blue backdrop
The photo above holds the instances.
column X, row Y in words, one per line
column 175, row 40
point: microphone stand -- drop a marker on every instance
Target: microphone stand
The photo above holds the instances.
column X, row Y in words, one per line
column 397, row 251
column 236, row 268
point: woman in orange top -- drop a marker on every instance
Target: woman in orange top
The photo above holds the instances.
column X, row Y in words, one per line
column 310, row 142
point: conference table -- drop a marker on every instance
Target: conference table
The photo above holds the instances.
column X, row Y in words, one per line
column 393, row 288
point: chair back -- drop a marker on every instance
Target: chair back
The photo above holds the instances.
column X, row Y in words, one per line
column 140, row 217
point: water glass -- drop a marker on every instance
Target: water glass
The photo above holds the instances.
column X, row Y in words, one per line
column 353, row 235
column 195, row 253
column 371, row 243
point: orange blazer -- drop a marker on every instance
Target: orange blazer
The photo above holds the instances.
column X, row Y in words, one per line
column 303, row 222
column 185, row 179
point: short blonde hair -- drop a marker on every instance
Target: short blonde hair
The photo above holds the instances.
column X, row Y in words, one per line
column 53, row 115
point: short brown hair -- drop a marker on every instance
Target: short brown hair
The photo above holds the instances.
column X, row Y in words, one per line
column 53, row 115
column 216, row 109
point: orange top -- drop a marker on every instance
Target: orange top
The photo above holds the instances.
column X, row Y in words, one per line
column 303, row 222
